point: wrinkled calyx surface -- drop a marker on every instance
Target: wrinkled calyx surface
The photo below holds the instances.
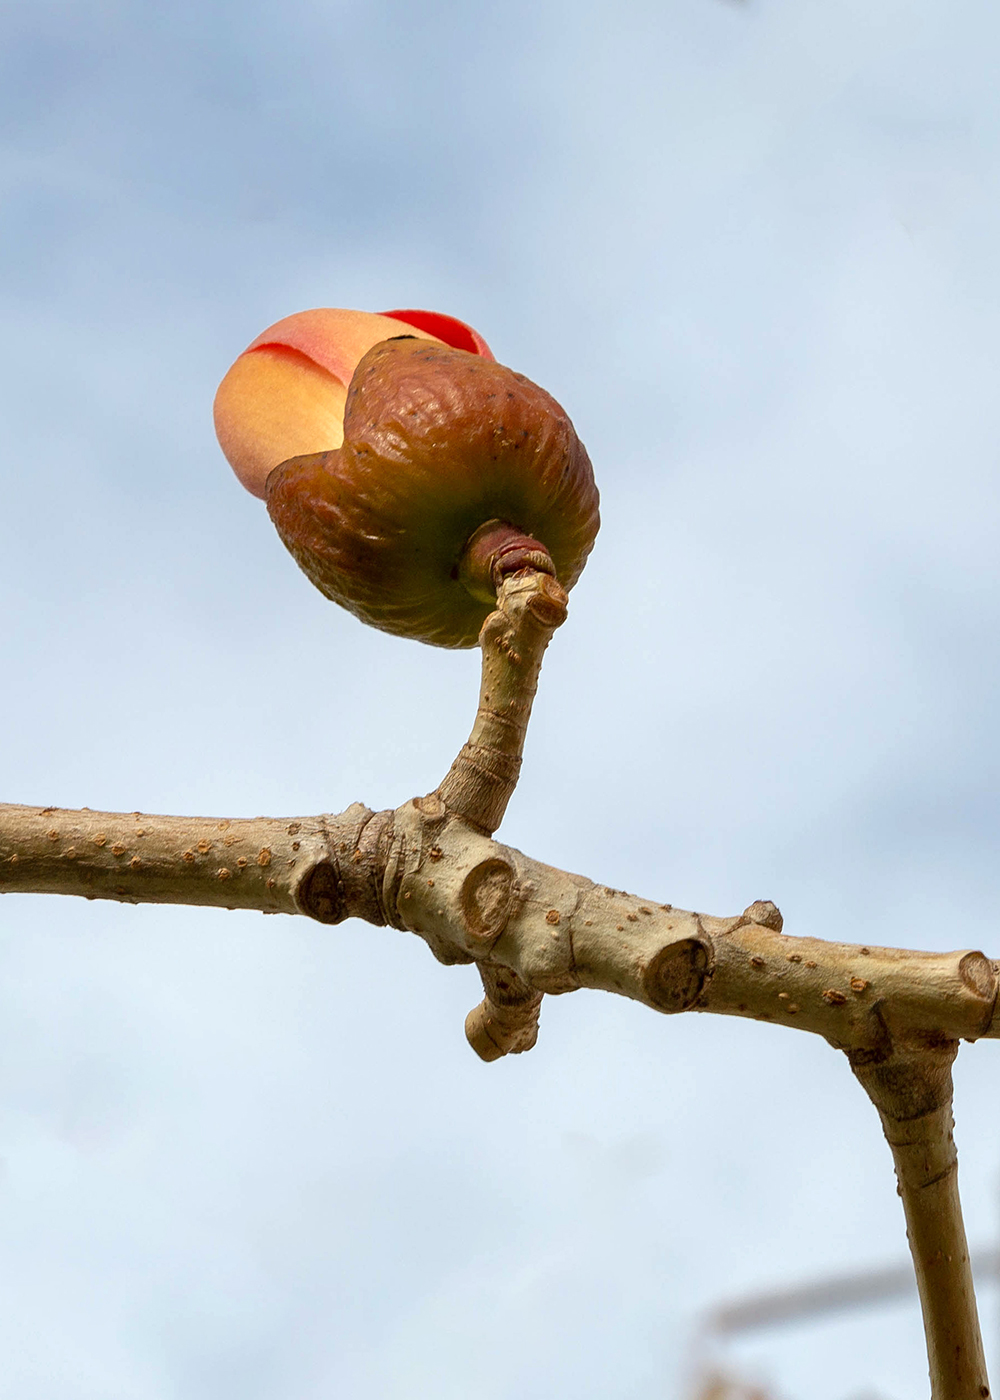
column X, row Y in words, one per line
column 453, row 471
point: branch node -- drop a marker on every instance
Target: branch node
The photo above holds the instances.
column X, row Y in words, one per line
column 346, row 883
column 506, row 1021
column 762, row 911
column 676, row 976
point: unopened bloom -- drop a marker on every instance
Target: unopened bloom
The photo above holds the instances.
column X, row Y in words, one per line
column 404, row 469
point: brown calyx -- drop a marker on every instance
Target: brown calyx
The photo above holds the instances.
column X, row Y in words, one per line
column 454, row 473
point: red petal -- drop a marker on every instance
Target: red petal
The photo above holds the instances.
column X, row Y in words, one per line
column 447, row 328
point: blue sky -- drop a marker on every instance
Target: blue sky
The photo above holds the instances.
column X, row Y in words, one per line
column 752, row 249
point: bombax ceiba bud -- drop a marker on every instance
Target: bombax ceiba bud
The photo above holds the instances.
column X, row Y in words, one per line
column 405, row 470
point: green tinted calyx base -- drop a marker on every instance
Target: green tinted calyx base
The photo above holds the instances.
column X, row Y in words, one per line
column 496, row 550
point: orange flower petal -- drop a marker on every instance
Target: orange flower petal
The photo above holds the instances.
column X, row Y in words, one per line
column 334, row 338
column 276, row 403
column 284, row 397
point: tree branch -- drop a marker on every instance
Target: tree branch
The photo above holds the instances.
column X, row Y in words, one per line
column 473, row 899
column 320, row 866
column 912, row 1090
column 432, row 868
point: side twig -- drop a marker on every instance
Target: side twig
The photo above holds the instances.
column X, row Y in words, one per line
column 912, row 1090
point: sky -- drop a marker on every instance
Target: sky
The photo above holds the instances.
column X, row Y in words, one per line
column 751, row 247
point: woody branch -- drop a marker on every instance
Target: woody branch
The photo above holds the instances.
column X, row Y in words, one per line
column 432, row 868
column 471, row 898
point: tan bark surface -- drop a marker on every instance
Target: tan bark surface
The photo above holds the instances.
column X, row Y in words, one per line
column 912, row 1090
column 473, row 899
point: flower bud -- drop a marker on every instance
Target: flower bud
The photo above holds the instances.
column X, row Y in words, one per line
column 404, row 469
column 453, row 471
